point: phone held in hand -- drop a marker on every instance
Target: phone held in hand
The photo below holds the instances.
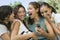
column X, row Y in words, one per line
column 38, row 24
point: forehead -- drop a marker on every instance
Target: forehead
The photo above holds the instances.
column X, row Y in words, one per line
column 30, row 6
column 44, row 8
column 21, row 8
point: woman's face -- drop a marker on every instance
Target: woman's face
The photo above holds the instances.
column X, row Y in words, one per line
column 21, row 13
column 45, row 11
column 32, row 11
column 11, row 17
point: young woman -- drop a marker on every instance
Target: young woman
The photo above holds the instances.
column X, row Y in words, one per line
column 49, row 13
column 35, row 19
column 19, row 30
column 6, row 16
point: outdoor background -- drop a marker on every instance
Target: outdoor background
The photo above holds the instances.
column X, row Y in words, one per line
column 13, row 3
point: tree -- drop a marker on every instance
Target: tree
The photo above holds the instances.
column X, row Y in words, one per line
column 54, row 3
column 14, row 4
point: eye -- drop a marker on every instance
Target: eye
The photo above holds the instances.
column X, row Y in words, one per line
column 41, row 12
column 19, row 12
column 45, row 11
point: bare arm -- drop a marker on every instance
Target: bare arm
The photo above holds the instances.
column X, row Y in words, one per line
column 5, row 36
column 50, row 33
column 15, row 36
column 56, row 29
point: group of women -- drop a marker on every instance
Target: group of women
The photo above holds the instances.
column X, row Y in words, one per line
column 42, row 24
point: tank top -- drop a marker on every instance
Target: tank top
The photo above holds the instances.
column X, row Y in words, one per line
column 22, row 28
column 42, row 25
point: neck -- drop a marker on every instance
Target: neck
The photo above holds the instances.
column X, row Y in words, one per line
column 36, row 19
column 5, row 21
column 22, row 20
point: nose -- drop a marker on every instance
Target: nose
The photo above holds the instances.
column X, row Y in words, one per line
column 23, row 13
column 44, row 14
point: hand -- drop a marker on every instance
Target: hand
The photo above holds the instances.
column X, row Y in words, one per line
column 34, row 37
column 51, row 20
column 40, row 31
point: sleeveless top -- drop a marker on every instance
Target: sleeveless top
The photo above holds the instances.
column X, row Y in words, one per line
column 22, row 28
column 42, row 25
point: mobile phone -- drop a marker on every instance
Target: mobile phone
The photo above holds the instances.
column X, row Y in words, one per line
column 38, row 25
column 23, row 32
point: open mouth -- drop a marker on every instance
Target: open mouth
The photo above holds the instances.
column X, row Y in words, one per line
column 30, row 14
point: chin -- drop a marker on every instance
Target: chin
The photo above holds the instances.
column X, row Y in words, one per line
column 22, row 19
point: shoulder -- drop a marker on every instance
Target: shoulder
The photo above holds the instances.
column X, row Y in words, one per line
column 3, row 29
column 2, row 26
column 16, row 21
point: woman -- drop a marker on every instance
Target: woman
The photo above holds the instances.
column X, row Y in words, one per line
column 49, row 13
column 22, row 33
column 6, row 17
column 35, row 19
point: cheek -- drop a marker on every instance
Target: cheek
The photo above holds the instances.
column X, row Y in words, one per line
column 44, row 15
column 10, row 19
column 18, row 15
column 24, row 14
column 29, row 10
column 33, row 15
column 32, row 10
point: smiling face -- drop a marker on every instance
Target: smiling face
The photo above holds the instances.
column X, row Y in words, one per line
column 21, row 13
column 11, row 17
column 32, row 11
column 45, row 11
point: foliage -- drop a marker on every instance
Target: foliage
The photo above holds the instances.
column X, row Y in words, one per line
column 54, row 3
column 14, row 4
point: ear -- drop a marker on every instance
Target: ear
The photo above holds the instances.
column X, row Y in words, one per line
column 37, row 9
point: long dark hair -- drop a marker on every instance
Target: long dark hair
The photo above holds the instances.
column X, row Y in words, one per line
column 36, row 6
column 5, row 11
column 49, row 6
column 16, row 9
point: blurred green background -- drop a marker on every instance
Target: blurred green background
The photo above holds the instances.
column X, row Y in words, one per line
column 54, row 3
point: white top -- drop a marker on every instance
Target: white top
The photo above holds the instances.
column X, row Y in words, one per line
column 56, row 19
column 22, row 28
column 3, row 30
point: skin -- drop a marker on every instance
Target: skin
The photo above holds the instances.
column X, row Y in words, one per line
column 32, row 11
column 6, row 36
column 50, row 33
column 50, row 18
column 21, row 13
column 35, row 16
column 15, row 36
column 45, row 11
column 11, row 18
column 15, row 27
